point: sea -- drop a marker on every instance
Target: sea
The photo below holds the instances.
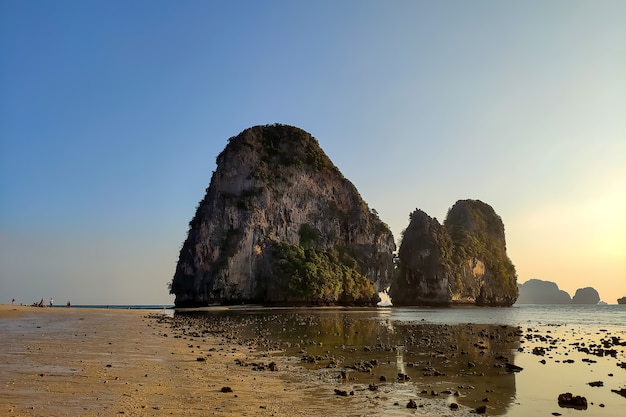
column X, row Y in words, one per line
column 584, row 315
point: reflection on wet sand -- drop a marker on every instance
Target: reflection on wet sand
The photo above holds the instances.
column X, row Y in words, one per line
column 506, row 369
column 464, row 364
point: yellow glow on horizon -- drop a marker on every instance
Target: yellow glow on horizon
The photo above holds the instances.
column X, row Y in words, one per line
column 575, row 242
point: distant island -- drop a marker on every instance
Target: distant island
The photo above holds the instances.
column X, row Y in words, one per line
column 536, row 291
column 621, row 300
column 586, row 295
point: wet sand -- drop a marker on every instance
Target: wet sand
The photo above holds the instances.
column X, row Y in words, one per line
column 98, row 362
column 498, row 369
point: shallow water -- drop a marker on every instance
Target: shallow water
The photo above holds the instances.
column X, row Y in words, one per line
column 458, row 354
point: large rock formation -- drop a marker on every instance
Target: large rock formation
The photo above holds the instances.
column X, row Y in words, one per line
column 462, row 262
column 587, row 295
column 621, row 300
column 536, row 291
column 280, row 224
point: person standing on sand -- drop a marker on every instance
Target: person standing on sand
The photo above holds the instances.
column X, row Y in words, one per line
column 51, row 302
column 68, row 305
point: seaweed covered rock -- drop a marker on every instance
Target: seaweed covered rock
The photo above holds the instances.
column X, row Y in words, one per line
column 462, row 262
column 280, row 224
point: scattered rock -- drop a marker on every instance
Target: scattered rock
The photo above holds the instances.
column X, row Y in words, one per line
column 568, row 400
column 341, row 392
column 411, row 404
column 226, row 389
column 513, row 368
column 596, row 384
column 621, row 392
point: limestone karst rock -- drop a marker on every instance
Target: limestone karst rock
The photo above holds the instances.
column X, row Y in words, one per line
column 536, row 291
column 425, row 263
column 462, row 262
column 280, row 224
column 587, row 295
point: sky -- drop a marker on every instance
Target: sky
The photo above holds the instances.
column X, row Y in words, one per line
column 112, row 114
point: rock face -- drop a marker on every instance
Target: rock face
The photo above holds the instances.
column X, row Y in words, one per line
column 586, row 295
column 536, row 291
column 280, row 224
column 621, row 300
column 462, row 262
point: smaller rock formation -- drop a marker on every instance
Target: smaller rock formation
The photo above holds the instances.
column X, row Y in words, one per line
column 621, row 300
column 536, row 291
column 463, row 261
column 587, row 295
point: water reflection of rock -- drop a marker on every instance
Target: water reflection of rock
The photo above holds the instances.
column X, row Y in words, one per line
column 468, row 360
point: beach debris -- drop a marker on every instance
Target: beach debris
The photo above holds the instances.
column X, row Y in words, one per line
column 567, row 400
column 596, row 384
column 481, row 410
column 201, row 359
column 454, row 406
column 373, row 387
column 226, row 389
column 411, row 404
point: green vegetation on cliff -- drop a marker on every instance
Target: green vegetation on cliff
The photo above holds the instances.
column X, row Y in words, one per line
column 318, row 276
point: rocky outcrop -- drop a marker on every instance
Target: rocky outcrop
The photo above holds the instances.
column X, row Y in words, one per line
column 280, row 224
column 587, row 295
column 536, row 291
column 621, row 300
column 425, row 263
column 462, row 262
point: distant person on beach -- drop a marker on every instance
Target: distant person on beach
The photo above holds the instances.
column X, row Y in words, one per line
column 68, row 305
column 13, row 302
column 51, row 302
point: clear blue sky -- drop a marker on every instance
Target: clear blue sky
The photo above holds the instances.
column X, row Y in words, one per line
column 112, row 114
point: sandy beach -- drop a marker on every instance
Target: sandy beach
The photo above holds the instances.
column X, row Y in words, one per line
column 101, row 362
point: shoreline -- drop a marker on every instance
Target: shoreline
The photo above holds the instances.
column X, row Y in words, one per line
column 141, row 362
column 101, row 362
